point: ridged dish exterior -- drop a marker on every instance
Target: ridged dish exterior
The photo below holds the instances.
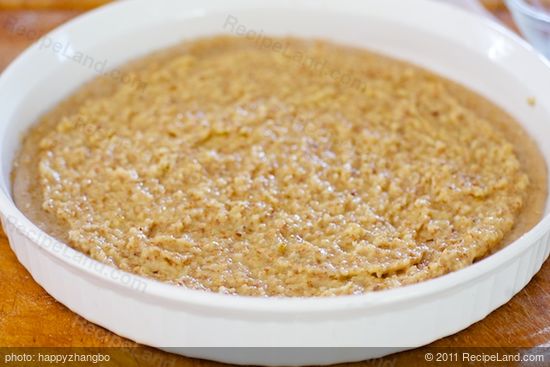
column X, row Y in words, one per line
column 464, row 47
column 173, row 325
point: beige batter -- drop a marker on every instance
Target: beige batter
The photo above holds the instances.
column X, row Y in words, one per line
column 308, row 169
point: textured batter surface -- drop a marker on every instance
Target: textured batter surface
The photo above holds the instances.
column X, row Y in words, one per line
column 305, row 170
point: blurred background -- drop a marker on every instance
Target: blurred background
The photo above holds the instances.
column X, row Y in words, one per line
column 28, row 316
column 24, row 21
column 86, row 4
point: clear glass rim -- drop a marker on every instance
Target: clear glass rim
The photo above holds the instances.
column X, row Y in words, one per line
column 528, row 9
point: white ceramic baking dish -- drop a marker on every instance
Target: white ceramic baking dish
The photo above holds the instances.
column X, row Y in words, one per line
column 461, row 46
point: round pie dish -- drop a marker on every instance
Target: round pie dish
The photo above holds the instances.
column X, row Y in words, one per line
column 463, row 47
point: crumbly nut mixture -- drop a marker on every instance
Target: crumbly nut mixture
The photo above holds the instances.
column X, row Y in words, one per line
column 310, row 170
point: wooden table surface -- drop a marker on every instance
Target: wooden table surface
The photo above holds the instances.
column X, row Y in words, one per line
column 30, row 317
